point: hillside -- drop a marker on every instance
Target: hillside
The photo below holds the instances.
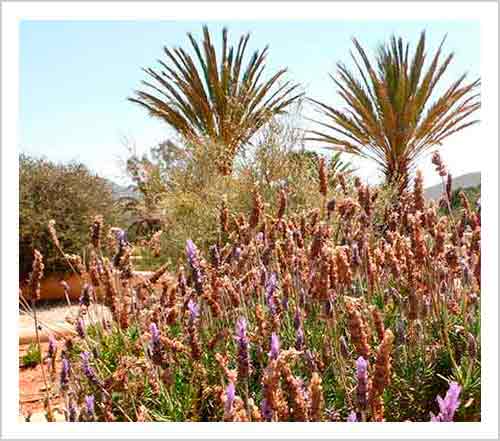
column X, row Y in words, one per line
column 464, row 181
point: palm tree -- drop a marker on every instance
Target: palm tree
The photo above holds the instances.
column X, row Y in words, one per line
column 222, row 103
column 389, row 116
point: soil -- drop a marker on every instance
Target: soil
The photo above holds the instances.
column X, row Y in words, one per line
column 58, row 320
column 32, row 391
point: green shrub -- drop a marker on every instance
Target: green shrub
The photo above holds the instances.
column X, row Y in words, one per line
column 67, row 193
column 180, row 186
column 33, row 357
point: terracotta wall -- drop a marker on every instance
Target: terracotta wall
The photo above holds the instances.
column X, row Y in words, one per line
column 51, row 288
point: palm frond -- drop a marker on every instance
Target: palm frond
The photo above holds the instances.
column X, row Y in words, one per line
column 388, row 114
column 215, row 98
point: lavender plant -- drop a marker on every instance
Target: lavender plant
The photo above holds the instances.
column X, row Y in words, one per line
column 364, row 309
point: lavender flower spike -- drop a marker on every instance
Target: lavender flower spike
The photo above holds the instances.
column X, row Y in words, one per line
column 243, row 354
column 448, row 405
column 241, row 329
column 230, row 395
column 266, row 410
column 300, row 339
column 275, row 346
column 194, row 263
column 362, row 388
column 155, row 347
column 52, row 346
column 90, row 405
column 192, row 253
column 155, row 334
column 87, row 369
column 80, row 328
column 194, row 310
column 271, row 284
column 65, row 372
column 352, row 418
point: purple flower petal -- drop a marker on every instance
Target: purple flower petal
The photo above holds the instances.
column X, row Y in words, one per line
column 275, row 346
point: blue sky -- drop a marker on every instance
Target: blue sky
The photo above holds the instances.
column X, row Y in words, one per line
column 75, row 77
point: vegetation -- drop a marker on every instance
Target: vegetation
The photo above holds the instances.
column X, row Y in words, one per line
column 284, row 288
column 389, row 116
column 180, row 192
column 33, row 356
column 219, row 102
column 354, row 309
column 66, row 193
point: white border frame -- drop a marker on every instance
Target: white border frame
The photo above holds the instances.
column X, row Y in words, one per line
column 485, row 12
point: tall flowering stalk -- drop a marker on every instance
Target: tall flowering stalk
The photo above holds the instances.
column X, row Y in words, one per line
column 155, row 346
column 243, row 349
column 362, row 385
column 271, row 285
column 192, row 329
column 229, row 402
column 381, row 375
column 194, row 263
column 89, row 371
column 275, row 347
column 65, row 374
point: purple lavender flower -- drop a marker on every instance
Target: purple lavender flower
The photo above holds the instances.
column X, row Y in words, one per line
column 121, row 237
column 275, row 347
column 266, row 410
column 230, row 395
column 65, row 373
column 302, row 296
column 155, row 348
column 51, row 352
column 352, row 418
column 194, row 263
column 271, row 285
column 241, row 328
column 194, row 310
column 88, row 370
column 362, row 388
column 448, row 405
column 259, row 236
column 191, row 252
column 80, row 328
column 242, row 342
column 90, row 405
column 237, row 253
column 155, row 333
column 300, row 339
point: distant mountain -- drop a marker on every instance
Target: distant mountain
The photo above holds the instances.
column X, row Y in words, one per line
column 121, row 191
column 464, row 181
